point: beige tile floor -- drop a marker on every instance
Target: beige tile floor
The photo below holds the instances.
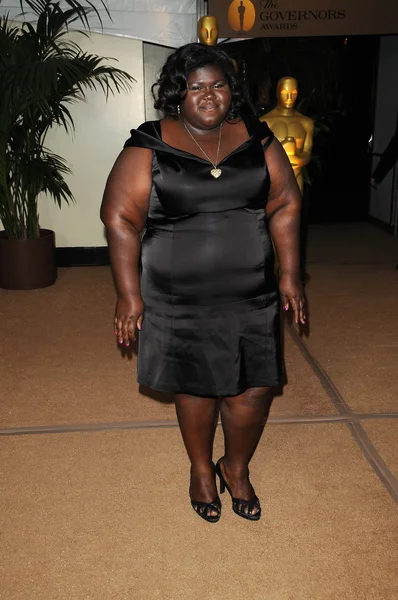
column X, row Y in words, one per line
column 104, row 514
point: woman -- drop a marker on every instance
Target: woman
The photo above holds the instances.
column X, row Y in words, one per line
column 207, row 185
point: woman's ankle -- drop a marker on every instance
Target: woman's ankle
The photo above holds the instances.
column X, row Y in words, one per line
column 202, row 467
column 237, row 470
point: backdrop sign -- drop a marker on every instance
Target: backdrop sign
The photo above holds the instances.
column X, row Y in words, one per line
column 284, row 18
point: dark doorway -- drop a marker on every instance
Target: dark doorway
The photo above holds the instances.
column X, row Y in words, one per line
column 336, row 78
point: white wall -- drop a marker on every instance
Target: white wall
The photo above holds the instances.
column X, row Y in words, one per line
column 154, row 58
column 101, row 130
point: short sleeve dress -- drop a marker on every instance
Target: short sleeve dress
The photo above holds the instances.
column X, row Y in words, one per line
column 212, row 311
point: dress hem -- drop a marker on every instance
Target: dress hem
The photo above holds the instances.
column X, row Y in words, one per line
column 212, row 394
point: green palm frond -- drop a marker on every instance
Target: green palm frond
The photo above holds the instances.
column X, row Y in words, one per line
column 35, row 175
column 43, row 72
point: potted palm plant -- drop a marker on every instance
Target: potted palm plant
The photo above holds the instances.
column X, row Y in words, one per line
column 42, row 72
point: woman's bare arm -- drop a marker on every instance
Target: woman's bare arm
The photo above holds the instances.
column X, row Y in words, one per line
column 124, row 210
column 283, row 212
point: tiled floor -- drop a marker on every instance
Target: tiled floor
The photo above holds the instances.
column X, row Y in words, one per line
column 94, row 477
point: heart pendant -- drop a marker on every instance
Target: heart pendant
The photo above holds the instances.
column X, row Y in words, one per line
column 216, row 173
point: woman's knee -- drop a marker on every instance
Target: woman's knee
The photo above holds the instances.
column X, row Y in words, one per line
column 252, row 398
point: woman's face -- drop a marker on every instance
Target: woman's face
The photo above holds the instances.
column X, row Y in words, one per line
column 208, row 98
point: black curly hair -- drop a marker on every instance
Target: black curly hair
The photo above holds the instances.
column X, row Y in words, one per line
column 171, row 87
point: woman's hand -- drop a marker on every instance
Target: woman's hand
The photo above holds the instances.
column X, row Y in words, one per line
column 292, row 295
column 129, row 313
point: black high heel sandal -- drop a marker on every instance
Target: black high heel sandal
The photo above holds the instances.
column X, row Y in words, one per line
column 204, row 508
column 243, row 508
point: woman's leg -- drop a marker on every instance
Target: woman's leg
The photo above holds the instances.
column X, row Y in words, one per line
column 197, row 418
column 243, row 418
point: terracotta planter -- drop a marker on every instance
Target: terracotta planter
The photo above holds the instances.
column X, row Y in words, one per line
column 28, row 264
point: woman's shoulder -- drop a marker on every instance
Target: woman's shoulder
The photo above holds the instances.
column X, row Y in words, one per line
column 144, row 135
column 148, row 127
column 257, row 128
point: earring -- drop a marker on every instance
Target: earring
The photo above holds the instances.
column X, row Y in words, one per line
column 179, row 110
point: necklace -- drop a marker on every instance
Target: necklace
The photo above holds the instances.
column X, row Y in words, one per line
column 215, row 171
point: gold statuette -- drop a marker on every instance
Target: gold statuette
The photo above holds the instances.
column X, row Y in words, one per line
column 208, row 30
column 294, row 130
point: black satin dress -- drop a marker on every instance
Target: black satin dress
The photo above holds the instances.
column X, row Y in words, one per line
column 211, row 323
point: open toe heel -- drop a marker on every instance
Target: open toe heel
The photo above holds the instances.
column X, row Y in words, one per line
column 204, row 509
column 243, row 508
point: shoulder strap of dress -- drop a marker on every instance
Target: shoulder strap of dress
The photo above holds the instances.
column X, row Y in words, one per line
column 269, row 139
column 265, row 132
column 259, row 129
column 146, row 136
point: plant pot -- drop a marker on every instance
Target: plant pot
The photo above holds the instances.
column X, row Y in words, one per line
column 27, row 264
